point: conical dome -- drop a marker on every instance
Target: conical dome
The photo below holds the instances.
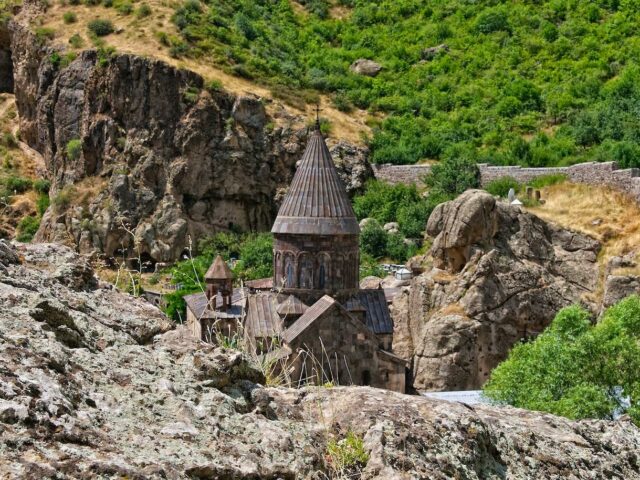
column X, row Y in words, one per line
column 317, row 202
column 219, row 270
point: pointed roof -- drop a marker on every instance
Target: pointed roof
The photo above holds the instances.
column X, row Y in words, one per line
column 292, row 306
column 219, row 270
column 317, row 202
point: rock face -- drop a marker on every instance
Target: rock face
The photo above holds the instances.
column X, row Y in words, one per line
column 500, row 275
column 6, row 66
column 363, row 66
column 94, row 384
column 618, row 283
column 159, row 158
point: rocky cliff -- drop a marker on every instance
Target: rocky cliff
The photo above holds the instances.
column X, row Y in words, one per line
column 499, row 275
column 142, row 156
column 96, row 384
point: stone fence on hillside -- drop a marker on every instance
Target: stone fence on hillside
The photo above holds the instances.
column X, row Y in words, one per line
column 592, row 173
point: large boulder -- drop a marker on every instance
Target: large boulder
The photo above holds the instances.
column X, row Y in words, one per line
column 499, row 275
column 366, row 67
column 97, row 384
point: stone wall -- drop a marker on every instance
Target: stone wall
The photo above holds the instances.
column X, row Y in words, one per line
column 592, row 173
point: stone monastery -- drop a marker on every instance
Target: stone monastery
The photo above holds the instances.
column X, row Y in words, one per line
column 312, row 316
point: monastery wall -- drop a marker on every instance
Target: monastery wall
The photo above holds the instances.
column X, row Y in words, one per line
column 592, row 173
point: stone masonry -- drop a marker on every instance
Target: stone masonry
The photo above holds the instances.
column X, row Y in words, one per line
column 591, row 173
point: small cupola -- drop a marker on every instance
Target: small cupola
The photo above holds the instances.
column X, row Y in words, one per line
column 219, row 280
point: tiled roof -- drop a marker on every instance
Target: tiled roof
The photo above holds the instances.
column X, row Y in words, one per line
column 378, row 317
column 219, row 270
column 292, row 305
column 260, row 284
column 314, row 312
column 262, row 316
column 317, row 202
column 197, row 303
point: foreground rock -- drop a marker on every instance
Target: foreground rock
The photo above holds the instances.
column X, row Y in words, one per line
column 157, row 157
column 93, row 384
column 500, row 275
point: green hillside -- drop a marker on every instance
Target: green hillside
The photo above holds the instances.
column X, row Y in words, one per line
column 520, row 82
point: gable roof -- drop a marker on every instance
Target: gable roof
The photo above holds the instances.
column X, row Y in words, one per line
column 198, row 304
column 378, row 317
column 313, row 313
column 219, row 270
column 292, row 305
column 262, row 318
column 317, row 202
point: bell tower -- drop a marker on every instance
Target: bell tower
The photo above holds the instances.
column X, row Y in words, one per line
column 219, row 280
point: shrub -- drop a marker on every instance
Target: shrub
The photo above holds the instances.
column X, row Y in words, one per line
column 576, row 368
column 501, row 186
column 42, row 203
column 17, row 184
column 125, row 8
column 44, row 33
column 62, row 201
column 42, row 186
column 8, row 140
column 373, row 239
column 547, row 180
column 214, row 86
column 457, row 173
column 27, row 228
column 74, row 149
column 347, row 453
column 143, row 11
column 76, row 41
column 100, row 27
column 69, row 17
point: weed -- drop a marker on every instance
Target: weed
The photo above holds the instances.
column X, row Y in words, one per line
column 100, row 27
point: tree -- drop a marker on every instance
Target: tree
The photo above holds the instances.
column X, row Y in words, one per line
column 373, row 239
column 575, row 368
column 456, row 173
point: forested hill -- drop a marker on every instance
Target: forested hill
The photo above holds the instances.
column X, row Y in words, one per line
column 514, row 82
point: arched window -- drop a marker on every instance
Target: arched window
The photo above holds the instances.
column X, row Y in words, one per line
column 306, row 272
column 323, row 271
column 290, row 272
column 321, row 277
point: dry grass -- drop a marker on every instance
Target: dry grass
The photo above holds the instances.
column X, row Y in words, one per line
column 601, row 212
column 138, row 37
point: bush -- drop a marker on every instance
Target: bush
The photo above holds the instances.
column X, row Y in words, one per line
column 42, row 203
column 76, row 41
column 62, row 201
column 500, row 186
column 125, row 8
column 143, row 11
column 27, row 228
column 74, row 149
column 17, row 184
column 576, row 368
column 45, row 33
column 8, row 140
column 69, row 17
column 456, row 174
column 373, row 240
column 214, row 86
column 547, row 180
column 100, row 27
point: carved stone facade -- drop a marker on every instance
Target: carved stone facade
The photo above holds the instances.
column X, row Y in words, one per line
column 310, row 266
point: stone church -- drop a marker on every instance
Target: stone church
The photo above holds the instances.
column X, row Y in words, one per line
column 312, row 316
